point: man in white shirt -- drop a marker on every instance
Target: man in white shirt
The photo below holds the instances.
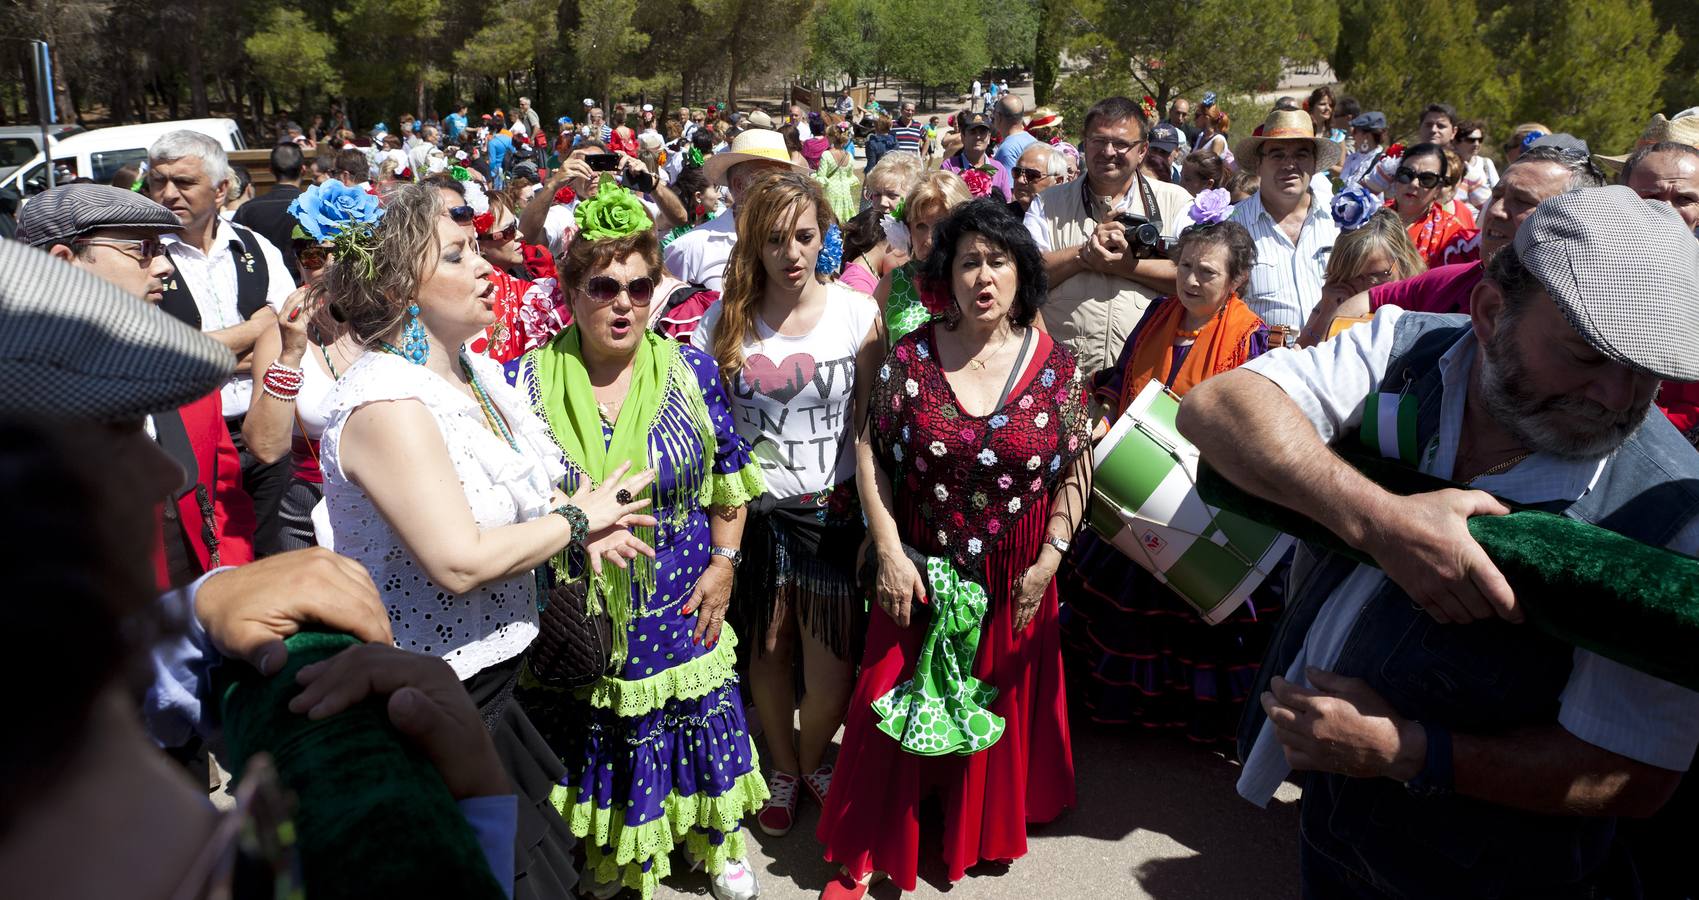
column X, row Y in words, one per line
column 1515, row 749
column 229, row 282
column 1292, row 227
column 1099, row 283
column 699, row 256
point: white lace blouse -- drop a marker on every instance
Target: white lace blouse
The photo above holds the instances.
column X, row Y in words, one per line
column 497, row 621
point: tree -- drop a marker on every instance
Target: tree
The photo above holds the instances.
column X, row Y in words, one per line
column 1591, row 67
column 1184, row 48
column 1681, row 77
column 1415, row 54
column 604, row 38
column 1011, row 31
column 384, row 49
column 1317, row 24
column 935, row 43
column 845, row 40
column 293, row 56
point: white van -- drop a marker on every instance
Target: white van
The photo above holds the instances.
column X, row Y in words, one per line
column 100, row 153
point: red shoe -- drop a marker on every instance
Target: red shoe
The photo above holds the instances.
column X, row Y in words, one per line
column 843, row 887
column 778, row 814
column 818, row 783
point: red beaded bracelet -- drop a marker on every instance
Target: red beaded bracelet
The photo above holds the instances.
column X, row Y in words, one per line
column 282, row 382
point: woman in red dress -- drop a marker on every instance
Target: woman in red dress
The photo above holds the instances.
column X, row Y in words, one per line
column 974, row 457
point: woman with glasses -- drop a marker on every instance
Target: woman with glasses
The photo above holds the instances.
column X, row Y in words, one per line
column 797, row 352
column 1424, row 196
column 658, row 754
column 528, row 313
column 1137, row 653
column 311, row 348
column 1480, row 173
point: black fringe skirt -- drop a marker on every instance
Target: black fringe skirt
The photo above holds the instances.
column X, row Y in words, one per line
column 795, row 563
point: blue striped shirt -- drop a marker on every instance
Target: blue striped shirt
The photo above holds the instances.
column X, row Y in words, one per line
column 910, row 137
column 1287, row 279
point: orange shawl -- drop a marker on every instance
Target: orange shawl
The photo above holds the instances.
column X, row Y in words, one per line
column 1222, row 344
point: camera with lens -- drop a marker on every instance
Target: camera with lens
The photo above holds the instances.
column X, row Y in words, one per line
column 1144, row 237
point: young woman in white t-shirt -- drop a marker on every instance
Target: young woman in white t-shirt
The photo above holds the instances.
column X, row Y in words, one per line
column 798, row 354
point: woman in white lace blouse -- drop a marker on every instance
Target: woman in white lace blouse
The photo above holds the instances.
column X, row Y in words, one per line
column 440, row 480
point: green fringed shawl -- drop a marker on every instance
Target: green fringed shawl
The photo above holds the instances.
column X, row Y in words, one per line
column 373, row 816
column 561, row 395
column 1582, row 584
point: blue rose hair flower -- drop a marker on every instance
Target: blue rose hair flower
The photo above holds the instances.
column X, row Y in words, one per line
column 1352, row 209
column 831, row 252
column 1211, row 207
column 324, row 210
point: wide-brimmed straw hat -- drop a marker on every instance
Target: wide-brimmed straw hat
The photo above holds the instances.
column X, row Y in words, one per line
column 1288, row 125
column 1681, row 130
column 753, row 145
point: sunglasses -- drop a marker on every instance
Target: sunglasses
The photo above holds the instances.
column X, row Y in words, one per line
column 462, row 215
column 311, row 255
column 1471, row 139
column 1428, row 180
column 142, row 250
column 1021, row 174
column 502, row 236
column 604, row 289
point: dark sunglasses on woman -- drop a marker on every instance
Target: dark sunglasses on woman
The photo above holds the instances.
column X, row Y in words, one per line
column 312, row 255
column 1427, row 180
column 604, row 289
column 462, row 215
column 502, row 236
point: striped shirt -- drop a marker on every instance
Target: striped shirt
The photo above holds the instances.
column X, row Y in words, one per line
column 910, row 137
column 1286, row 280
column 1604, row 703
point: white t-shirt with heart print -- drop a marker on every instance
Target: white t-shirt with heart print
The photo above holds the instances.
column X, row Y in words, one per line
column 794, row 395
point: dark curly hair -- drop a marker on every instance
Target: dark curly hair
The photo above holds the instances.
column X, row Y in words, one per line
column 1241, row 250
column 992, row 219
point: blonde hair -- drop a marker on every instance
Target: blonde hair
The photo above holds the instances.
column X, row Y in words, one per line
column 1384, row 231
column 939, row 190
column 774, row 203
column 899, row 169
column 373, row 299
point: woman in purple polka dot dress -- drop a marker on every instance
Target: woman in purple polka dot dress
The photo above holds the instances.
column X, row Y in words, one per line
column 658, row 755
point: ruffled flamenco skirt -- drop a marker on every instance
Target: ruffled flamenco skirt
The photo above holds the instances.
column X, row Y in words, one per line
column 656, row 758
column 1137, row 654
column 872, row 815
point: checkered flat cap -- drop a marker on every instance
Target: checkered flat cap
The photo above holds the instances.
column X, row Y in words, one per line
column 1625, row 273
column 75, row 347
column 57, row 216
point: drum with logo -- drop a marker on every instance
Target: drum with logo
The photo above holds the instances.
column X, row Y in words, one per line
column 1145, row 502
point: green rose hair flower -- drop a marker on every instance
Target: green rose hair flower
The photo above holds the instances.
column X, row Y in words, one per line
column 613, row 213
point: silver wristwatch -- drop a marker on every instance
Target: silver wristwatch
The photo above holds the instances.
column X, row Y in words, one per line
column 736, row 556
column 1060, row 544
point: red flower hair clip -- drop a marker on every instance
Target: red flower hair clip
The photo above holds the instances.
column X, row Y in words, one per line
column 484, row 222
column 1395, row 151
column 565, row 194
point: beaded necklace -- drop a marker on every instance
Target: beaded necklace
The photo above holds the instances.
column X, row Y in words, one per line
column 492, row 418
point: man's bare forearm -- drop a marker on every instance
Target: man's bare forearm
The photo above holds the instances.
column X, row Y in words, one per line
column 1548, row 770
column 1061, row 265
column 1246, row 427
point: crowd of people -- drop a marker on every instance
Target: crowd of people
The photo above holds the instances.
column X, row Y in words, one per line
column 628, row 449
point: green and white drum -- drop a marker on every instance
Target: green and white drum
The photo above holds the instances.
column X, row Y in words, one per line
column 1145, row 502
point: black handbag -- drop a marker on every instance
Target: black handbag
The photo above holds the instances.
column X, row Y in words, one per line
column 574, row 647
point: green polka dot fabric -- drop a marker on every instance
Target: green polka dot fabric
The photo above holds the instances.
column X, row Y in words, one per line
column 943, row 708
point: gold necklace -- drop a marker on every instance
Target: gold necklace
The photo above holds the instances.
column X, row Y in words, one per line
column 977, row 363
column 1502, row 467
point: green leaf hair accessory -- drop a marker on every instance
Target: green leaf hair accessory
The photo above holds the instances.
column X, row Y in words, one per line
column 897, row 211
column 459, row 173
column 356, row 244
column 613, row 213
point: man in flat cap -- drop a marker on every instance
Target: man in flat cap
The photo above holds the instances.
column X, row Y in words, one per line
column 1450, row 750
column 207, row 519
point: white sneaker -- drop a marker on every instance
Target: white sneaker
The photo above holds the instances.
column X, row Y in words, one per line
column 735, row 882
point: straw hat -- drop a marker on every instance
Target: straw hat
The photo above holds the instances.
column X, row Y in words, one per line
column 753, row 145
column 1288, row 125
column 1683, row 129
column 1044, row 117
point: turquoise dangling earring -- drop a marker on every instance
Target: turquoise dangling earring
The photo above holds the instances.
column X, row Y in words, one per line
column 413, row 343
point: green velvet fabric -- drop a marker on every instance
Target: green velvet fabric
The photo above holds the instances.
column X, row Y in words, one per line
column 1580, row 583
column 373, row 817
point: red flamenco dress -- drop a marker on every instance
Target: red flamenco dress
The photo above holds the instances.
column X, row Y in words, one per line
column 976, row 491
column 1445, row 236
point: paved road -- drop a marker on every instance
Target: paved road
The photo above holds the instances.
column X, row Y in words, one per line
column 1157, row 819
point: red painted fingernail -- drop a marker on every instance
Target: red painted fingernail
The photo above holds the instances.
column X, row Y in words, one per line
column 295, row 314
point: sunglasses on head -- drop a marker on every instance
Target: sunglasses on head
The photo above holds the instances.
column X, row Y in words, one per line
column 462, row 215
column 502, row 236
column 1429, row 180
column 312, row 255
column 603, row 289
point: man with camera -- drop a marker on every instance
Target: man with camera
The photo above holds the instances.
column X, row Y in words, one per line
column 1292, row 228
column 1103, row 236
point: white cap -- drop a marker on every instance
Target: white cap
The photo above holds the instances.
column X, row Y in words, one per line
column 647, row 107
column 589, row 102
